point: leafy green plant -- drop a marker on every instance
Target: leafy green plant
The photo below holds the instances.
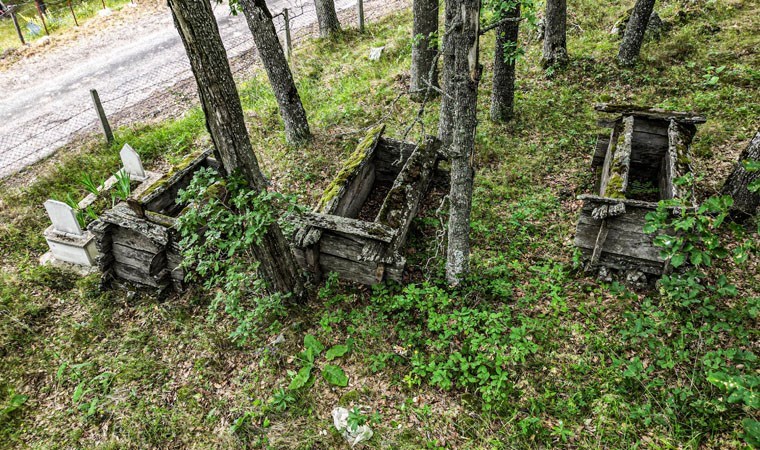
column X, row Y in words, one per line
column 123, row 187
column 224, row 221
column 331, row 373
column 92, row 186
column 711, row 76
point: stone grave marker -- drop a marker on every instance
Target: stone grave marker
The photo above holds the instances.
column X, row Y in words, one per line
column 63, row 217
column 132, row 163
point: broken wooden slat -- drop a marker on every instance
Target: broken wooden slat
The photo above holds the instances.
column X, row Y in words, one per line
column 677, row 162
column 614, row 185
column 654, row 113
column 356, row 227
column 401, row 204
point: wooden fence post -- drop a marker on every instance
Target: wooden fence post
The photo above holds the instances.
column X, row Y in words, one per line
column 360, row 13
column 288, row 42
column 104, row 125
column 42, row 17
column 72, row 14
column 18, row 28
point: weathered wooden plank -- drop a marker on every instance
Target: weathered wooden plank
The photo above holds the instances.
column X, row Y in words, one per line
column 403, row 200
column 161, row 196
column 133, row 239
column 132, row 256
column 617, row 183
column 336, row 190
column 125, row 219
column 360, row 272
column 625, row 262
column 602, row 144
column 372, row 230
column 677, row 162
column 599, row 244
column 613, row 142
column 653, row 113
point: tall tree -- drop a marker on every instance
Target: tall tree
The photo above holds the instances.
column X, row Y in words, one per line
column 467, row 70
column 424, row 47
column 503, row 94
column 555, row 33
column 634, row 32
column 446, row 116
column 265, row 36
column 194, row 19
column 326, row 17
column 737, row 184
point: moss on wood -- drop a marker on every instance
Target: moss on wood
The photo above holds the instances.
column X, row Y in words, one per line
column 349, row 166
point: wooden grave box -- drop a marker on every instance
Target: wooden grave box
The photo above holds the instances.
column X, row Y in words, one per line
column 361, row 223
column 137, row 240
column 636, row 163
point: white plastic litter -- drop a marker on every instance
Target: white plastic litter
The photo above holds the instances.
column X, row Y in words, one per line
column 353, row 436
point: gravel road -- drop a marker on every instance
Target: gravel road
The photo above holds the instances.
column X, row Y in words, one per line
column 46, row 98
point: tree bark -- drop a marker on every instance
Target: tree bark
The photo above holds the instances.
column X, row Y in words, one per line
column 467, row 72
column 273, row 58
column 446, row 116
column 424, row 47
column 327, row 17
column 634, row 33
column 745, row 202
column 555, row 34
column 194, row 19
column 503, row 94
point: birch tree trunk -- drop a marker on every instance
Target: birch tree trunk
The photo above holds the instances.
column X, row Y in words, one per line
column 745, row 202
column 555, row 34
column 467, row 71
column 503, row 94
column 199, row 32
column 424, row 48
column 327, row 17
column 446, row 116
column 273, row 58
column 634, row 33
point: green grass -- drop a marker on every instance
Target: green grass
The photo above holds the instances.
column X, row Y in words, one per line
column 571, row 362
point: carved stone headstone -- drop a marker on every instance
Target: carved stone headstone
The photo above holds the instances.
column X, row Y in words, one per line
column 63, row 217
column 132, row 163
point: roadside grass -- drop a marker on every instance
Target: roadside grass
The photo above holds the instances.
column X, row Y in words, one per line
column 533, row 353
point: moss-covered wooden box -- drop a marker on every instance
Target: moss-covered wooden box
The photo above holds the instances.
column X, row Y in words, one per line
column 361, row 223
column 137, row 240
column 636, row 164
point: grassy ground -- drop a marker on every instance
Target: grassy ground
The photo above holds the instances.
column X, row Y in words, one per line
column 532, row 354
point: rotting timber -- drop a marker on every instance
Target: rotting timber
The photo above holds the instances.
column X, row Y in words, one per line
column 637, row 165
column 137, row 240
column 344, row 234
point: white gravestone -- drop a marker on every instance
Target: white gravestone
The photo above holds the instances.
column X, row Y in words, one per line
column 67, row 241
column 63, row 217
column 132, row 163
column 375, row 52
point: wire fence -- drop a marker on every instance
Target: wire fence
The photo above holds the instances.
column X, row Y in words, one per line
column 164, row 91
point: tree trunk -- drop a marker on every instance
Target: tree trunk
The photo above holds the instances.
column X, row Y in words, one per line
column 199, row 32
column 264, row 35
column 467, row 71
column 555, row 34
column 446, row 117
column 634, row 33
column 503, row 95
column 745, row 202
column 327, row 17
column 424, row 48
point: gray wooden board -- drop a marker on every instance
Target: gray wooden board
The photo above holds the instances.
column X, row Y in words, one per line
column 360, row 272
column 133, row 239
column 356, row 192
column 136, row 276
column 625, row 262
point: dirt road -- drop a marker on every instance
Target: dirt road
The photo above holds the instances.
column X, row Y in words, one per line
column 46, row 99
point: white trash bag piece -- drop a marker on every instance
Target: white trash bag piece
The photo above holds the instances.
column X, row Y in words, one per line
column 353, row 436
